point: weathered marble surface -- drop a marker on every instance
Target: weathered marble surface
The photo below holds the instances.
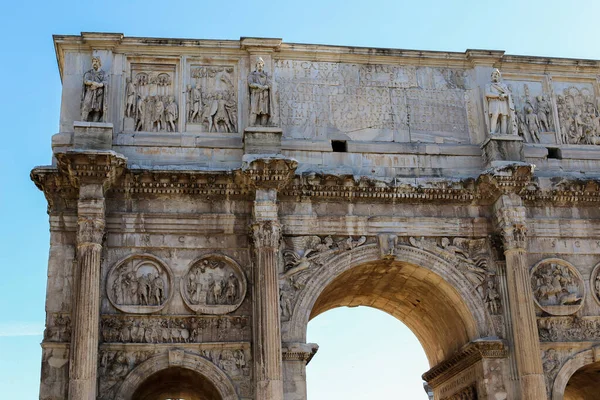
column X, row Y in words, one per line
column 370, row 177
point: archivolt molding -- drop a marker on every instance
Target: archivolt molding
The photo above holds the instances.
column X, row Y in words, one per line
column 571, row 366
column 177, row 358
column 316, row 279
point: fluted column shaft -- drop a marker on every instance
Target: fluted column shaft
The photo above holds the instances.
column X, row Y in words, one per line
column 266, row 233
column 510, row 218
column 86, row 313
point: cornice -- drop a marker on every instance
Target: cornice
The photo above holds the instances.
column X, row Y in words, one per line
column 470, row 354
column 318, row 52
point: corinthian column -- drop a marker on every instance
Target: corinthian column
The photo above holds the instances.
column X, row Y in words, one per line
column 92, row 172
column 510, row 221
column 84, row 342
column 266, row 175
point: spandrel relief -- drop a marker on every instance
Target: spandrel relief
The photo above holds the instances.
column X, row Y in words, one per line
column 211, row 97
column 533, row 108
column 578, row 116
column 214, row 284
column 140, row 284
column 150, row 99
column 557, row 287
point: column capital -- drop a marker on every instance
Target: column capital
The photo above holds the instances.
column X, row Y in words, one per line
column 268, row 172
column 266, row 234
column 510, row 221
column 91, row 167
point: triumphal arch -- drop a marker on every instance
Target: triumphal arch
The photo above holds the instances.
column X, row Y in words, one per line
column 207, row 198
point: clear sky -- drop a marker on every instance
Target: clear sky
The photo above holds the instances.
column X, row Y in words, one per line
column 29, row 112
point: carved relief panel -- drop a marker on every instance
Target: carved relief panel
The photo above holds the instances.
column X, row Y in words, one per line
column 151, row 101
column 212, row 99
column 578, row 115
column 595, row 283
column 557, row 287
column 533, row 108
column 214, row 284
column 139, row 284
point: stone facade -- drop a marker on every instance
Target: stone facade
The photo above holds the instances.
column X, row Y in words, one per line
column 206, row 199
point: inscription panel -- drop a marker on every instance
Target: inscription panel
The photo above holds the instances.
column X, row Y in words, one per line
column 320, row 100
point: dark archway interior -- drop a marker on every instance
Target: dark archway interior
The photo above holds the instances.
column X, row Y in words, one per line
column 176, row 384
column 584, row 384
column 421, row 299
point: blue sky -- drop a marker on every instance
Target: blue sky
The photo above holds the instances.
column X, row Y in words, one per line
column 29, row 112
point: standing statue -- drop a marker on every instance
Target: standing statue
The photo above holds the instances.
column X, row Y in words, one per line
column 260, row 95
column 93, row 103
column 499, row 105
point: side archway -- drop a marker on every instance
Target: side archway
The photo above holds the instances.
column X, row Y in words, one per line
column 178, row 359
column 584, row 362
column 426, row 292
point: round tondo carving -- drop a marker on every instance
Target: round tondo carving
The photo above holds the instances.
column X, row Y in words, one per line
column 557, row 286
column 595, row 282
column 139, row 284
column 214, row 284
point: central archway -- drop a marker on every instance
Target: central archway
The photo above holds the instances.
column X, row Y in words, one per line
column 422, row 290
column 176, row 383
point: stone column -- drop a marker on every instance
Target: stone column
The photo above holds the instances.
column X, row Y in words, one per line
column 267, row 175
column 510, row 220
column 84, row 341
column 92, row 172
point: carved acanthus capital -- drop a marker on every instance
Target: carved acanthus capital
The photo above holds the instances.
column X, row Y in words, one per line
column 268, row 172
column 266, row 234
column 91, row 167
column 511, row 178
column 299, row 351
column 90, row 231
column 511, row 224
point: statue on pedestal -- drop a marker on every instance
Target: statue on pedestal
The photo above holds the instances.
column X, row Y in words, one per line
column 500, row 106
column 93, row 103
column 260, row 95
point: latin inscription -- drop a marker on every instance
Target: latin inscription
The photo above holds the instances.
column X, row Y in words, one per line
column 365, row 102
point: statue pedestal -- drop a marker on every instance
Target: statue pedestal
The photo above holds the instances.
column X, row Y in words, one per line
column 498, row 149
column 92, row 135
column 262, row 140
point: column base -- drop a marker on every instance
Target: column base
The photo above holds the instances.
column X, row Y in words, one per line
column 262, row 140
column 92, row 135
column 499, row 149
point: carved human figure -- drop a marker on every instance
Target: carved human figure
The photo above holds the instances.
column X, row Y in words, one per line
column 597, row 285
column 231, row 289
column 221, row 117
column 492, row 298
column 157, row 116
column 500, row 104
column 131, row 96
column 117, row 288
column 543, row 113
column 533, row 124
column 94, row 90
column 195, row 95
column 171, row 114
column 217, row 290
column 285, row 303
column 159, row 289
column 260, row 95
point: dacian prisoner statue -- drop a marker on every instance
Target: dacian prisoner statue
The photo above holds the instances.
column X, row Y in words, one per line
column 93, row 104
column 260, row 95
column 500, row 106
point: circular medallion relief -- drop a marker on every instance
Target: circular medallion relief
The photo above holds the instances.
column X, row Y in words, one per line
column 214, row 284
column 557, row 286
column 595, row 282
column 139, row 284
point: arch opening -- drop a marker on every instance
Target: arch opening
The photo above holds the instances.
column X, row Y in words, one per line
column 176, row 383
column 426, row 303
column 584, row 383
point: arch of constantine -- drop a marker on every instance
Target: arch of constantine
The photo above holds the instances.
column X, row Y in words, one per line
column 207, row 198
